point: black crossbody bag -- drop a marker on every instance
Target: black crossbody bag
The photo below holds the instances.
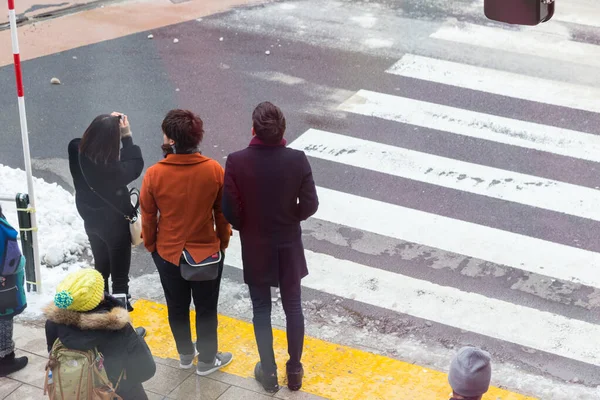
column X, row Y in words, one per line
column 205, row 270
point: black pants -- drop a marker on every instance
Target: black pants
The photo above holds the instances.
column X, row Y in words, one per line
column 179, row 294
column 111, row 247
column 292, row 305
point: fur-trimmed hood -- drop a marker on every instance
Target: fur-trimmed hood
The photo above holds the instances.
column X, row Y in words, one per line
column 108, row 330
column 108, row 320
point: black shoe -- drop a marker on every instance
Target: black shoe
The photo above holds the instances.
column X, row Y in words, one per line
column 141, row 332
column 294, row 377
column 10, row 364
column 269, row 383
column 129, row 306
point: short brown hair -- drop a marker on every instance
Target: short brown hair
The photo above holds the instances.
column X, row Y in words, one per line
column 268, row 122
column 185, row 128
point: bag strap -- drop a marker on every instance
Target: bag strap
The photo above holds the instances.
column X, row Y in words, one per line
column 107, row 382
column 187, row 257
column 131, row 219
column 122, row 376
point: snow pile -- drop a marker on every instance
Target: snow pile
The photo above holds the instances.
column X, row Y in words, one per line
column 61, row 235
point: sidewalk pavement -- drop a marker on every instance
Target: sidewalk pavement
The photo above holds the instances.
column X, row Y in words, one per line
column 101, row 24
column 30, row 9
column 170, row 382
column 332, row 371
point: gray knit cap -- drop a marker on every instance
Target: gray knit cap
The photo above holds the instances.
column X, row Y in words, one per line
column 470, row 372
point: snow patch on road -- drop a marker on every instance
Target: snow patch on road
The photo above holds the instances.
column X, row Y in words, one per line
column 365, row 21
column 377, row 43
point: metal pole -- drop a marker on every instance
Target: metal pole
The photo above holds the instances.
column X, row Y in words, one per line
column 26, row 234
column 25, row 138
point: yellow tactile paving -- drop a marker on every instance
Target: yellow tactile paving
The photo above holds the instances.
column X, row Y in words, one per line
column 332, row 371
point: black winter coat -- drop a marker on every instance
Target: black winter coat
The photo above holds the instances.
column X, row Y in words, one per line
column 110, row 180
column 108, row 329
column 268, row 191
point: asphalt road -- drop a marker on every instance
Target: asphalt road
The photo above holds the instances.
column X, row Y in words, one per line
column 320, row 55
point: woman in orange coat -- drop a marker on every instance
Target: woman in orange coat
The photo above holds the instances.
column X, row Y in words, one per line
column 185, row 188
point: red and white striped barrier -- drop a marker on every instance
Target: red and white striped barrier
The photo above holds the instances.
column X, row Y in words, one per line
column 25, row 137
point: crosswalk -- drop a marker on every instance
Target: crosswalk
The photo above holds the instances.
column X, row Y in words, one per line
column 554, row 333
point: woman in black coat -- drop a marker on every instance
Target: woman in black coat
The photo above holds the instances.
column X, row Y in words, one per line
column 108, row 169
column 106, row 327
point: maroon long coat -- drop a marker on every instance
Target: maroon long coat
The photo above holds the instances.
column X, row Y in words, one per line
column 268, row 191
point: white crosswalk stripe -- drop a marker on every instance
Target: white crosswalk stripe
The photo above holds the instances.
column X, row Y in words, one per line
column 527, row 42
column 472, row 240
column 499, row 82
column 473, row 178
column 478, row 125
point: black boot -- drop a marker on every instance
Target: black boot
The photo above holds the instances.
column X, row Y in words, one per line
column 269, row 383
column 10, row 364
column 294, row 377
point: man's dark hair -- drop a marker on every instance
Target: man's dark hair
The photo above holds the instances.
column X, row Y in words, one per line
column 185, row 128
column 101, row 140
column 268, row 122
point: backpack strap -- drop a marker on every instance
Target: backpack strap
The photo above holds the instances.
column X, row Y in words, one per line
column 123, row 375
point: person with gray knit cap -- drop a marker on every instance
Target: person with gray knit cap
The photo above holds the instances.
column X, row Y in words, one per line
column 470, row 374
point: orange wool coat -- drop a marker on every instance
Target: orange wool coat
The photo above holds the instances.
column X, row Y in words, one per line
column 180, row 202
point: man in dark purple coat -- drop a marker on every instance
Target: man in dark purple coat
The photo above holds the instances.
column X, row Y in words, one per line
column 269, row 189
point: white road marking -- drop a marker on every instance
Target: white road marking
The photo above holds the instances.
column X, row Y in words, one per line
column 499, row 82
column 473, row 312
column 454, row 174
column 524, row 41
column 439, row 117
column 472, row 240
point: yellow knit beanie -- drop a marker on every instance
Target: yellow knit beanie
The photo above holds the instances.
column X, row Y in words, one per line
column 81, row 291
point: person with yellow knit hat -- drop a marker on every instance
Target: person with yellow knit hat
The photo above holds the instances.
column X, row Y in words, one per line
column 84, row 318
column 80, row 291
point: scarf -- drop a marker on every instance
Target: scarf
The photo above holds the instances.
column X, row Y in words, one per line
column 257, row 142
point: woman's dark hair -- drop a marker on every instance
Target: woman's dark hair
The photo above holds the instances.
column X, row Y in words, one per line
column 101, row 140
column 268, row 122
column 185, row 128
